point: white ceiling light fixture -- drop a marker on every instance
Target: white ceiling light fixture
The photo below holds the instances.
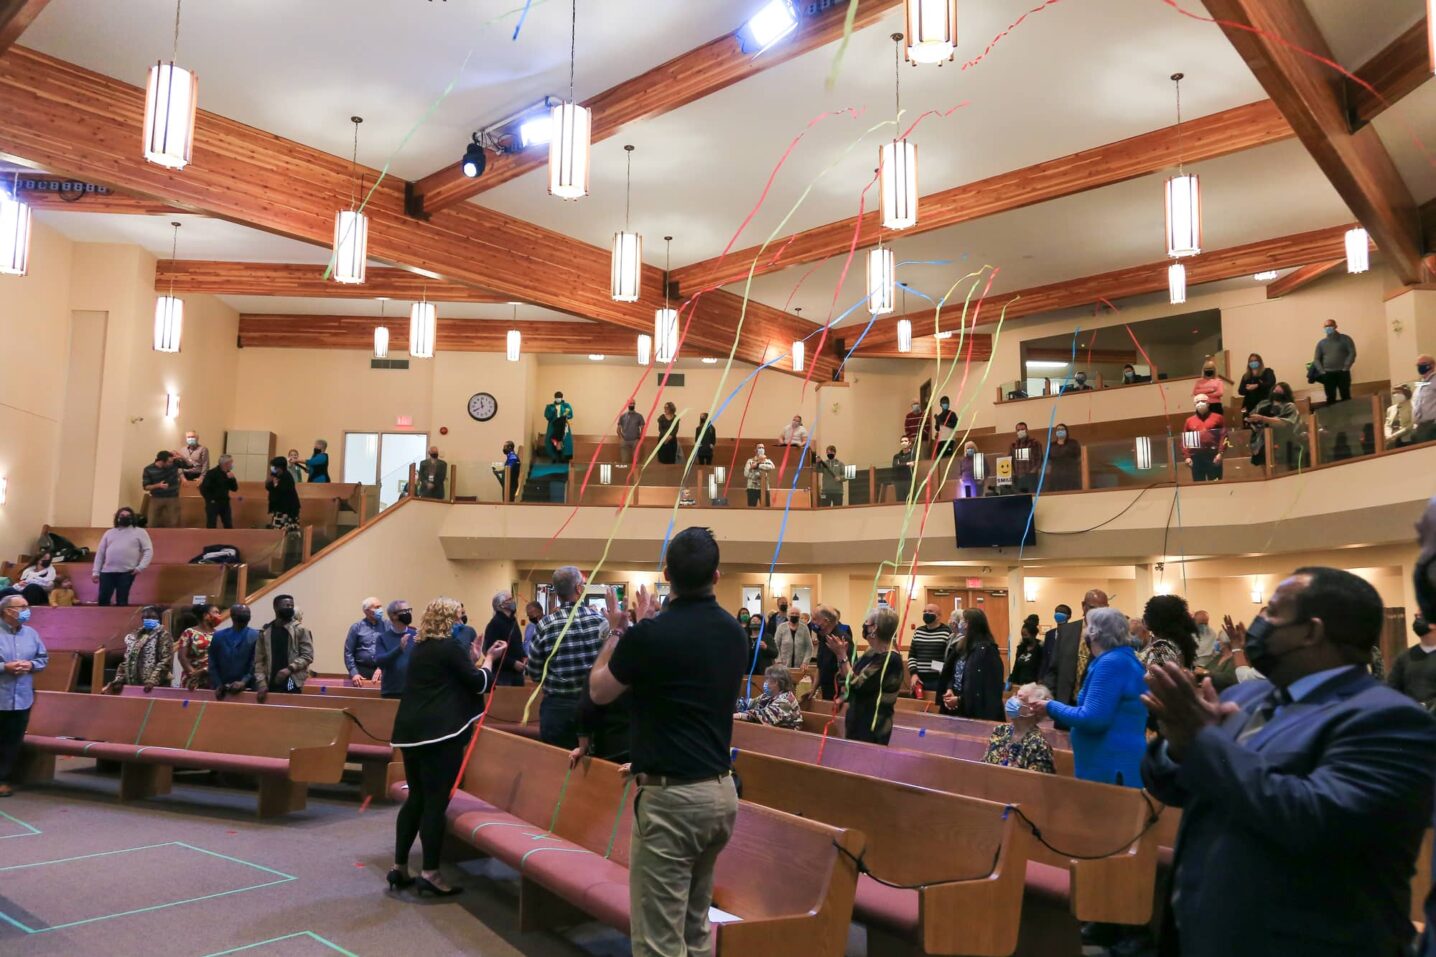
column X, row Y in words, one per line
column 596, row 357
column 1266, row 275
column 1177, row 283
column 381, row 335
column 14, row 232
column 423, row 327
column 513, row 342
column 351, row 227
column 881, row 280
column 931, row 30
column 665, row 320
column 570, row 134
column 799, row 354
column 170, row 99
column 645, row 349
column 627, row 249
column 710, row 360
column 773, row 22
column 904, row 335
column 897, row 162
column 169, row 310
column 1184, row 199
column 1358, row 250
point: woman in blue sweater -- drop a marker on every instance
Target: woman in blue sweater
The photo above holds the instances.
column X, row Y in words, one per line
column 1109, row 721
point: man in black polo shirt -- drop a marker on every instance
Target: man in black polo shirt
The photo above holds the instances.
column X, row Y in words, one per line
column 682, row 670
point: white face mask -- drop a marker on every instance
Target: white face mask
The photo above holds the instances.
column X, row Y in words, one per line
column 760, row 450
column 1022, row 433
column 916, row 407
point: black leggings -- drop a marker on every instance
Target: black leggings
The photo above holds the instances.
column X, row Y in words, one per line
column 431, row 771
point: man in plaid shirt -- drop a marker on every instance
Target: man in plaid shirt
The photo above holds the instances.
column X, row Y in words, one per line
column 568, row 661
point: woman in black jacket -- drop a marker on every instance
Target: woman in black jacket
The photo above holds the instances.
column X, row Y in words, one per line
column 283, row 497
column 765, row 655
column 1027, row 659
column 443, row 696
column 971, row 682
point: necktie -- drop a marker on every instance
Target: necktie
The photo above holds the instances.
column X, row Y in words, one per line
column 1264, row 714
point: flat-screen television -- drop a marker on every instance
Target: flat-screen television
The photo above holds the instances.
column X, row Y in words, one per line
column 997, row 521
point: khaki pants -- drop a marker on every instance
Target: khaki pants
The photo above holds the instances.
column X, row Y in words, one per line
column 164, row 512
column 677, row 836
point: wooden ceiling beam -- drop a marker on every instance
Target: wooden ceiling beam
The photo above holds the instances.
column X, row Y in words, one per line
column 1268, row 35
column 76, row 122
column 1402, row 66
column 1299, row 278
column 15, row 17
column 307, row 281
column 266, row 331
column 1219, row 134
column 41, row 191
column 690, row 76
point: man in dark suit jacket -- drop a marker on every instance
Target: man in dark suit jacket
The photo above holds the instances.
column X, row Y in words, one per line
column 1061, row 662
column 1304, row 797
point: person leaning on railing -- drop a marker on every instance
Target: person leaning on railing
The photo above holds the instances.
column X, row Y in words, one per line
column 1277, row 421
column 1399, row 424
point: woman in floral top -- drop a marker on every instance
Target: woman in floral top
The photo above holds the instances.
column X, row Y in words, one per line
column 194, row 648
column 778, row 705
column 1020, row 744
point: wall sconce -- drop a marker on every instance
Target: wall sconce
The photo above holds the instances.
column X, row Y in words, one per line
column 171, row 405
column 4, row 488
column 1257, row 597
column 1029, row 591
column 1161, row 588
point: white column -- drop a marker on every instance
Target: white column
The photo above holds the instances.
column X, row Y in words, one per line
column 1016, row 607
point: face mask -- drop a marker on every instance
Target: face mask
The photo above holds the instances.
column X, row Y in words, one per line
column 1081, row 378
column 944, row 405
column 1254, row 365
column 150, row 624
column 191, row 442
column 1013, row 708
column 458, row 626
column 768, row 689
column 1330, row 331
column 1423, row 367
column 832, row 455
column 1209, row 372
column 928, row 618
column 1060, row 617
column 274, row 469
column 1062, row 433
column 24, row 615
column 1262, row 658
column 792, row 619
column 404, row 617
column 783, row 607
column 969, row 452
column 318, row 450
column 464, row 618
column 1022, row 433
column 1278, row 396
column 1419, row 627
column 916, row 407
column 630, row 408
column 125, row 520
column 45, row 563
column 1202, row 408
column 433, row 455
column 1128, row 376
column 284, row 614
column 761, row 451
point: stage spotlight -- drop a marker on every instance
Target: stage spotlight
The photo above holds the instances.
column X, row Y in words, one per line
column 474, row 159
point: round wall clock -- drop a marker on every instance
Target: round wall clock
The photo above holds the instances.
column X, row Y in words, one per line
column 483, row 406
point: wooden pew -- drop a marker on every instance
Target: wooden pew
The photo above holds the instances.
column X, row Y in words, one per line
column 259, row 548
column 973, row 727
column 968, row 747
column 369, row 739
column 287, row 748
column 94, row 634
column 347, row 494
column 337, row 687
column 791, row 881
column 965, row 857
column 156, row 585
column 1081, row 818
column 253, row 512
column 506, row 712
column 61, row 673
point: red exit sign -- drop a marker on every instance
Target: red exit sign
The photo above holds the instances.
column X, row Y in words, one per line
column 404, row 422
column 974, row 583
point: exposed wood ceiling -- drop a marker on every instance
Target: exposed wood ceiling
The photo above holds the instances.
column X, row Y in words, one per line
column 1402, row 66
column 15, row 17
column 453, row 335
column 303, row 279
column 1300, row 278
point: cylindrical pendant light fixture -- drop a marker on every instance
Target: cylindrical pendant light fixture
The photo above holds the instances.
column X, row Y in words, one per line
column 627, row 250
column 645, row 349
column 931, row 30
column 513, row 344
column 897, row 163
column 881, row 281
column 170, row 99
column 381, row 342
column 351, row 229
column 1177, row 283
column 1358, row 250
column 423, row 325
column 14, row 232
column 665, row 320
column 799, row 354
column 568, row 149
column 1184, row 199
column 904, row 335
column 169, row 311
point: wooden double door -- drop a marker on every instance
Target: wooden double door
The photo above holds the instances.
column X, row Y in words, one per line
column 991, row 602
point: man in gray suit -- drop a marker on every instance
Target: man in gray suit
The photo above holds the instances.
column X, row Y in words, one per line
column 1304, row 796
column 1062, row 672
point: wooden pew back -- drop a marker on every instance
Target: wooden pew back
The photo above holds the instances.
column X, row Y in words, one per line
column 60, row 673
column 156, row 585
column 376, row 714
column 910, row 717
column 967, row 747
column 509, row 701
column 84, row 629
column 258, row 547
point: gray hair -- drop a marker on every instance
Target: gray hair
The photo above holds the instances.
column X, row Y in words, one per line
column 1032, row 691
column 829, row 613
column 501, row 598
column 1108, row 628
column 370, row 602
column 566, row 581
column 782, row 678
column 9, row 600
column 885, row 623
column 393, row 607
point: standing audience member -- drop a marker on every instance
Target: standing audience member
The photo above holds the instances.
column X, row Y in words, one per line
column 214, row 488
column 927, row 648
column 1204, row 436
column 944, row 428
column 704, row 438
column 1206, row 638
column 794, row 433
column 1109, row 720
column 1423, row 404
column 668, row 427
column 1066, row 665
column 563, row 653
column 630, row 430
column 681, row 670
column 1400, row 422
column 1255, row 385
column 777, row 706
column 826, row 622
column 972, row 676
column 1174, row 632
column 870, row 685
column 1210, row 386
column 361, row 644
column 442, row 698
column 504, row 626
column 1064, row 461
column 283, row 496
column 193, row 647
column 231, row 654
column 968, row 480
column 193, row 459
column 762, row 648
column 754, row 474
column 149, row 655
column 533, row 611
column 1413, row 673
column 902, row 469
column 1335, row 355
column 1027, row 658
column 1026, row 455
column 1276, row 424
column 22, row 653
column 912, row 424
column 124, row 551
column 604, row 731
column 318, row 464
column 1061, row 615
column 284, row 652
column 776, row 618
column 513, row 467
column 296, row 468
column 796, row 647
column 1277, row 779
column 1019, row 743
column 831, row 468
column 162, row 481
column 432, row 475
column 391, row 658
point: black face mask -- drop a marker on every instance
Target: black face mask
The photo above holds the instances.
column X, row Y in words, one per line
column 792, row 619
column 928, row 618
column 433, row 455
column 125, row 520
column 1262, row 658
column 318, row 451
column 464, row 619
column 782, row 609
column 405, row 617
column 284, row 614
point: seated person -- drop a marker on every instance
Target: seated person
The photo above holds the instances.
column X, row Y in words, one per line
column 149, row 654
column 777, row 705
column 63, row 594
column 1019, row 743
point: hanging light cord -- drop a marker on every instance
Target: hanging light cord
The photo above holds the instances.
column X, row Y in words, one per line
column 174, row 250
column 667, row 249
column 572, row 47
column 1181, row 150
column 354, row 162
column 628, row 189
column 897, row 79
column 174, row 55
